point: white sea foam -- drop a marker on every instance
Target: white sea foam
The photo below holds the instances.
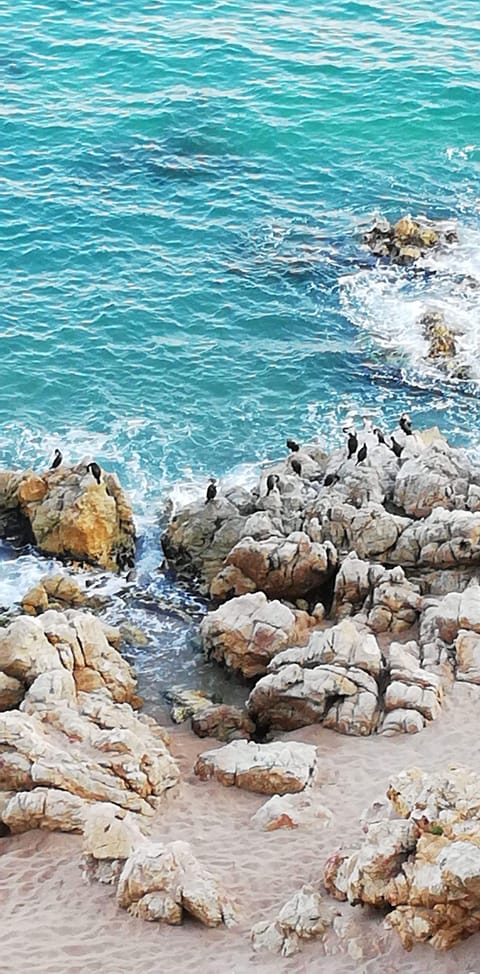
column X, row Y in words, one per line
column 385, row 304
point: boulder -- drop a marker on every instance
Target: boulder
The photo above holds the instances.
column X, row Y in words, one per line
column 11, row 692
column 223, row 722
column 439, row 477
column 283, row 568
column 291, row 812
column 70, row 515
column 186, row 703
column 248, row 631
column 54, row 592
column 269, row 769
column 395, row 603
column 307, row 914
column 444, row 539
column 161, row 881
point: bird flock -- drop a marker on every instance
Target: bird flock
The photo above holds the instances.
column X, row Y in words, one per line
column 355, row 450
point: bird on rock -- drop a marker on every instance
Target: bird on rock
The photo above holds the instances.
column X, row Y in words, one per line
column 272, row 481
column 296, row 466
column 362, row 454
column 405, row 424
column 330, row 479
column 381, row 438
column 293, row 446
column 57, row 459
column 396, row 448
column 211, row 490
column 95, row 471
column 352, row 442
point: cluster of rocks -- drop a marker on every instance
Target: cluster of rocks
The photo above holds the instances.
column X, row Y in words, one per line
column 407, row 240
column 341, row 569
column 70, row 736
column 67, row 513
column 422, row 861
column 153, row 880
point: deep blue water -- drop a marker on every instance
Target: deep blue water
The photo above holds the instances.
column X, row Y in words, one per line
column 182, row 191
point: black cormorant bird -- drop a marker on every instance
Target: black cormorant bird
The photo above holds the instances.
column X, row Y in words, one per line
column 330, row 479
column 362, row 453
column 57, row 459
column 396, row 448
column 296, row 466
column 293, row 446
column 405, row 424
column 381, row 438
column 272, row 480
column 95, row 471
column 211, row 490
column 352, row 442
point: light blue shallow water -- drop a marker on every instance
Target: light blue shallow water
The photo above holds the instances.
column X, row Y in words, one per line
column 181, row 190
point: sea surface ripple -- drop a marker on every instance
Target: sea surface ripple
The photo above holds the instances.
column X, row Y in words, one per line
column 182, row 192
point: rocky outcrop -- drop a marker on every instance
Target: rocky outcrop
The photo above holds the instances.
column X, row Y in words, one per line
column 75, row 740
column 11, row 692
column 440, row 477
column 290, row 568
column 307, row 914
column 425, row 866
column 65, row 512
column 407, row 240
column 186, row 703
column 442, row 344
column 342, row 680
column 248, row 631
column 54, row 592
column 270, row 769
column 386, row 599
column 73, row 642
column 450, row 634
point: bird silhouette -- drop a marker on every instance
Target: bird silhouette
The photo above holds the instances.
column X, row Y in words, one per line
column 396, row 448
column 405, row 424
column 95, row 471
column 57, row 459
column 293, row 446
column 362, row 454
column 272, row 480
column 297, row 467
column 211, row 491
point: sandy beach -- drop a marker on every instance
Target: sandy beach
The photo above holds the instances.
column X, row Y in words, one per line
column 54, row 921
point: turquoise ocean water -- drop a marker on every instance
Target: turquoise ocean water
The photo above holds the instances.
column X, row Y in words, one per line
column 182, row 187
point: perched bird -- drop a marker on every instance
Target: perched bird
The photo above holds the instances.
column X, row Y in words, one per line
column 296, row 466
column 352, row 442
column 381, row 438
column 211, row 490
column 272, row 480
column 396, row 448
column 405, row 424
column 293, row 446
column 330, row 479
column 362, row 453
column 57, row 459
column 95, row 471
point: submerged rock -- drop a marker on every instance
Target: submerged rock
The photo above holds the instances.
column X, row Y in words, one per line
column 407, row 240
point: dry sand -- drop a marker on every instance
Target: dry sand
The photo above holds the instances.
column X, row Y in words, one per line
column 53, row 922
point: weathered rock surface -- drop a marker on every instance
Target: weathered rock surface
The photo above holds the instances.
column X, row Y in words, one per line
column 291, row 812
column 290, row 568
column 341, row 680
column 305, row 915
column 424, row 866
column 387, row 600
column 160, row 882
column 54, row 592
column 75, row 740
column 66, row 513
column 186, row 703
column 270, row 769
column 11, row 692
column 223, row 722
column 248, row 631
